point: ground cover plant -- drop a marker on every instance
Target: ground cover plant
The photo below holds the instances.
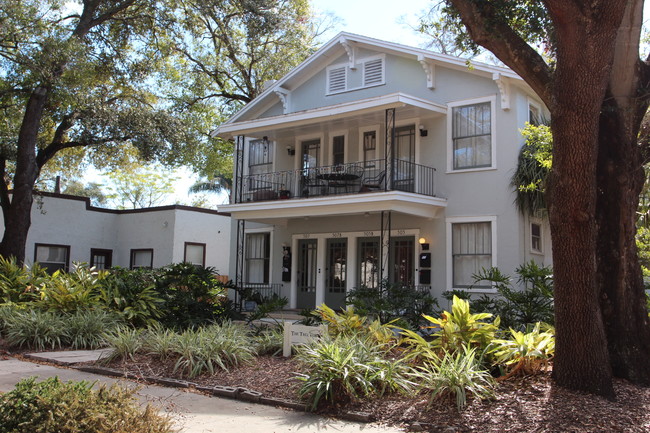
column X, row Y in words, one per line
column 74, row 407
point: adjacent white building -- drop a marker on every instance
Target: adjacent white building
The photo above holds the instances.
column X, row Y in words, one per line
column 67, row 229
column 375, row 161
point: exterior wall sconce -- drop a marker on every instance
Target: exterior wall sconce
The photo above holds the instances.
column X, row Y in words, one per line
column 423, row 244
column 423, row 132
column 291, row 150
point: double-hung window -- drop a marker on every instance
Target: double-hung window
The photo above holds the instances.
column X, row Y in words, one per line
column 260, row 164
column 471, row 136
column 258, row 257
column 194, row 253
column 471, row 251
column 142, row 258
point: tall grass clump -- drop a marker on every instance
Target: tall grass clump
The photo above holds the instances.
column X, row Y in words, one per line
column 269, row 341
column 35, row 329
column 160, row 341
column 455, row 376
column 53, row 406
column 125, row 342
column 214, row 347
column 344, row 368
column 86, row 329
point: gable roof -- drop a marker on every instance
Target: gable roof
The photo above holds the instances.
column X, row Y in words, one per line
column 346, row 43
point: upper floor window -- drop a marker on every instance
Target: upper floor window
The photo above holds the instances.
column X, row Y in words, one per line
column 536, row 238
column 336, row 79
column 472, row 136
column 534, row 114
column 373, row 72
column 338, row 150
column 260, row 162
column 52, row 257
column 369, row 148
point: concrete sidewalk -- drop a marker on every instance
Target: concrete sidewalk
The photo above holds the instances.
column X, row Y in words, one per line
column 193, row 412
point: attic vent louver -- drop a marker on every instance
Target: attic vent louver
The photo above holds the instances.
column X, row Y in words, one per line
column 336, row 79
column 373, row 72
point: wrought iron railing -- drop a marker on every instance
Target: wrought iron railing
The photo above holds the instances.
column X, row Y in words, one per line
column 351, row 178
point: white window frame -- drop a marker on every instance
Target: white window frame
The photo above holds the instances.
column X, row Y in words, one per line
column 492, row 219
column 493, row 132
column 332, row 135
column 537, row 106
column 270, row 259
column 382, row 58
column 541, row 237
column 329, row 70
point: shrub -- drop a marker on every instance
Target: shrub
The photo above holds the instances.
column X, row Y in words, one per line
column 160, row 341
column 69, row 292
column 133, row 294
column 526, row 352
column 20, row 283
column 455, row 375
column 39, row 330
column 519, row 308
column 389, row 302
column 349, row 323
column 269, row 341
column 192, row 296
column 453, row 331
column 344, row 368
column 53, row 406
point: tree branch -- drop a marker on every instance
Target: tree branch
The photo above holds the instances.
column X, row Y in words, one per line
column 488, row 30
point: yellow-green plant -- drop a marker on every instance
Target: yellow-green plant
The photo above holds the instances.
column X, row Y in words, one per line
column 526, row 352
column 20, row 283
column 453, row 331
column 348, row 323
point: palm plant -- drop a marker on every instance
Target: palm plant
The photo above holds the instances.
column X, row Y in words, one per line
column 217, row 184
column 526, row 352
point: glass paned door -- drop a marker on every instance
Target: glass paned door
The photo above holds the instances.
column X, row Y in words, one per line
column 369, row 262
column 336, row 273
column 307, row 273
column 404, row 158
column 402, row 269
column 310, row 164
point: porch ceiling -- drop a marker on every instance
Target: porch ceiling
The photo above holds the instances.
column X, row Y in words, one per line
column 341, row 116
column 281, row 210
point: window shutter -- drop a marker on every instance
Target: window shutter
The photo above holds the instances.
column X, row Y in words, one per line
column 336, row 80
column 373, row 72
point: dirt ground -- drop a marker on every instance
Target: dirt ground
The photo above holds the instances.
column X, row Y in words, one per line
column 532, row 404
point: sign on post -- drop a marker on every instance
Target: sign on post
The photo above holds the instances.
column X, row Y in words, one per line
column 300, row 334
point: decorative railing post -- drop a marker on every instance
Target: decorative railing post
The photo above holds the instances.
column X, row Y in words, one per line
column 384, row 245
column 239, row 261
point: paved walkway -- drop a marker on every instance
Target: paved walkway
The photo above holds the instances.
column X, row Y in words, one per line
column 193, row 413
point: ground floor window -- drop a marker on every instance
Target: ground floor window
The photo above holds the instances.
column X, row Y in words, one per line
column 258, row 254
column 101, row 258
column 368, row 249
column 194, row 253
column 536, row 238
column 142, row 258
column 52, row 257
column 471, row 251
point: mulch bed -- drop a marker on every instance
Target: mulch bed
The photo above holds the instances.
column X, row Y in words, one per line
column 532, row 404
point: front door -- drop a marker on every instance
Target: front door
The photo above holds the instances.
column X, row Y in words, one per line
column 307, row 273
column 336, row 272
column 402, row 256
column 404, row 158
column 368, row 271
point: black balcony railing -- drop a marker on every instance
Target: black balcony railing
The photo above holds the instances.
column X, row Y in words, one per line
column 351, row 178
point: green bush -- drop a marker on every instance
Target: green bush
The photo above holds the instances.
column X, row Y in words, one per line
column 125, row 342
column 192, row 296
column 348, row 323
column 20, row 283
column 74, row 407
column 160, row 341
column 133, row 294
column 87, row 329
column 389, row 302
column 269, row 341
column 68, row 292
column 344, row 368
column 35, row 329
column 519, row 308
column 452, row 332
column 455, row 375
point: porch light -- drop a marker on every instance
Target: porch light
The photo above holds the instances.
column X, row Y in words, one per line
column 291, row 151
column 423, row 244
column 423, row 132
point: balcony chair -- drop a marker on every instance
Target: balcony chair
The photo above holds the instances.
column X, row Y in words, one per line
column 374, row 183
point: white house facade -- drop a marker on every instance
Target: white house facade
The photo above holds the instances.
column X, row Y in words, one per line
column 67, row 229
column 373, row 161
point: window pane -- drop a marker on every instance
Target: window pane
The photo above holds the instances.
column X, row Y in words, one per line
column 51, row 254
column 471, row 251
column 257, row 257
column 194, row 254
column 142, row 259
column 472, row 137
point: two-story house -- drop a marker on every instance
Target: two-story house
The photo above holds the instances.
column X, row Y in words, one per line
column 372, row 161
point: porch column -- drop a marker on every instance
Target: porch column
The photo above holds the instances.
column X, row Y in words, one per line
column 239, row 259
column 389, row 144
column 384, row 245
column 293, row 294
column 239, row 168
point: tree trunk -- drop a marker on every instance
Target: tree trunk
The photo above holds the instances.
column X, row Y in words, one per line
column 18, row 218
column 622, row 296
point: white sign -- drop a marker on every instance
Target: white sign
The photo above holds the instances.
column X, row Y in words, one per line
column 300, row 334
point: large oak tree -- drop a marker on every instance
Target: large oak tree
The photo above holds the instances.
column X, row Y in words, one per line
column 596, row 88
